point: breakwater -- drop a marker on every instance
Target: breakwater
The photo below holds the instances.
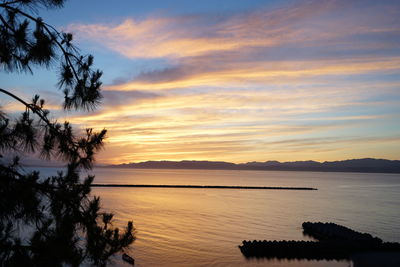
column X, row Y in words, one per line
column 335, row 242
column 205, row 186
column 335, row 232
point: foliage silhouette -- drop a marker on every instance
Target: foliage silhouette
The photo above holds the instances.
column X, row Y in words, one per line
column 50, row 221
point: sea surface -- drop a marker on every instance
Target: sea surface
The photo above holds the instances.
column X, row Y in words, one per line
column 203, row 227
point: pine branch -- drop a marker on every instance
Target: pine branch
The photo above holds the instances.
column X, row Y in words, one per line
column 59, row 209
column 68, row 147
column 31, row 107
column 46, row 27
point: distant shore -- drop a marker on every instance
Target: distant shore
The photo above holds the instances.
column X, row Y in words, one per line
column 367, row 165
column 206, row 186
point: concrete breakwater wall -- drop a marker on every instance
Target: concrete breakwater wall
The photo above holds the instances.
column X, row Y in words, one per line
column 332, row 231
column 205, row 186
column 335, row 242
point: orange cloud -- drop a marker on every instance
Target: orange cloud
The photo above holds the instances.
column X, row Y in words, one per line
column 316, row 80
column 303, row 24
column 265, row 73
column 223, row 126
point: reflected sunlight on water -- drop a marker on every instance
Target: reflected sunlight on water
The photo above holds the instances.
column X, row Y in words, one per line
column 203, row 227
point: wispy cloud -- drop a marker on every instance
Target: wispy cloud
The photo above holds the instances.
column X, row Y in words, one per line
column 299, row 81
column 311, row 23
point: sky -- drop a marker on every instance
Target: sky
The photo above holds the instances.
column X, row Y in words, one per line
column 234, row 81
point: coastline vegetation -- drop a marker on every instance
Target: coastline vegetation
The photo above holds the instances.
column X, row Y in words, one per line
column 52, row 221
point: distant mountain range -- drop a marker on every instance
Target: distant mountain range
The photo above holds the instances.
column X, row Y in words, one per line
column 353, row 165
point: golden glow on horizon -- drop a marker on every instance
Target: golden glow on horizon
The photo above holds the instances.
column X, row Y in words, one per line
column 316, row 80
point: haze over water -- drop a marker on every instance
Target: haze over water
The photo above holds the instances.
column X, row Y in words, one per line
column 203, row 227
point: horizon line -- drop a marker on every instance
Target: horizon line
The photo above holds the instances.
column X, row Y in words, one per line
column 221, row 161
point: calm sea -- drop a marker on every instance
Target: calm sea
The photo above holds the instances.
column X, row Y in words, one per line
column 203, row 227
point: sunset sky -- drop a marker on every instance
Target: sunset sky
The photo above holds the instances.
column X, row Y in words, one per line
column 232, row 80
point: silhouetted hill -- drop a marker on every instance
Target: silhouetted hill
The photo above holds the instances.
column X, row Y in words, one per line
column 353, row 165
column 185, row 164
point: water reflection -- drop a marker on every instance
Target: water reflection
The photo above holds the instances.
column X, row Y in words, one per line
column 183, row 227
column 203, row 227
column 275, row 262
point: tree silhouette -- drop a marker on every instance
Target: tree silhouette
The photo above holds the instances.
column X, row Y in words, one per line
column 50, row 221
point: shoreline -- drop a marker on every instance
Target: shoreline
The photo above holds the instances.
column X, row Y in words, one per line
column 250, row 169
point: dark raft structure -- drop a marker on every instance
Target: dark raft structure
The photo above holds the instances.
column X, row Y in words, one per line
column 335, row 242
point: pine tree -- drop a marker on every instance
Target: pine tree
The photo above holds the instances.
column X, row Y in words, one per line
column 52, row 221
